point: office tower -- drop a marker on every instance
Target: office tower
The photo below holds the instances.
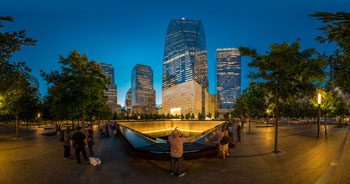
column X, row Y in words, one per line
column 143, row 96
column 111, row 91
column 213, row 104
column 127, row 105
column 228, row 77
column 185, row 69
column 33, row 82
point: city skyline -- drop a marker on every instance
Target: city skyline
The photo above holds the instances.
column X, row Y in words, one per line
column 111, row 33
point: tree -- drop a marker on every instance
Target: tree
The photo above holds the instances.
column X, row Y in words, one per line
column 13, row 75
column 286, row 70
column 188, row 115
column 252, row 103
column 337, row 30
column 330, row 101
column 81, row 81
column 116, row 117
column 168, row 116
column 209, row 115
column 199, row 116
column 217, row 114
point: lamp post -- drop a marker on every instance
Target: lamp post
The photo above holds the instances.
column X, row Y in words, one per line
column 267, row 113
column 319, row 114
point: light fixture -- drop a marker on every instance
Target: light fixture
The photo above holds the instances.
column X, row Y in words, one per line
column 319, row 98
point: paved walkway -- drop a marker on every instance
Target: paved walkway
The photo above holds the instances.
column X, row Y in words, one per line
column 304, row 159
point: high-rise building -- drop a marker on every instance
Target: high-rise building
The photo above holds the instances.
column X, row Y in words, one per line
column 111, row 91
column 143, row 96
column 213, row 104
column 228, row 77
column 127, row 105
column 33, row 82
column 185, row 69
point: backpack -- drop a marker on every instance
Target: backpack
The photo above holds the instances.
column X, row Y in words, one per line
column 224, row 140
column 61, row 137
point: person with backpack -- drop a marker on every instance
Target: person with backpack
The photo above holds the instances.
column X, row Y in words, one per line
column 223, row 142
column 65, row 137
column 78, row 141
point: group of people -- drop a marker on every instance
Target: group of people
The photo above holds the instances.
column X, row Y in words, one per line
column 110, row 126
column 78, row 141
column 176, row 140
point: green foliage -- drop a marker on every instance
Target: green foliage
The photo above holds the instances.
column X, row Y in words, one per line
column 287, row 71
column 77, row 89
column 188, row 115
column 337, row 30
column 217, row 114
column 252, row 103
column 209, row 115
column 17, row 98
column 227, row 115
column 192, row 116
column 331, row 102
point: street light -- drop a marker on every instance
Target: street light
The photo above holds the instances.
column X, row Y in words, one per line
column 319, row 114
column 267, row 113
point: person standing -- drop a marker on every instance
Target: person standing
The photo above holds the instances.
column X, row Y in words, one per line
column 239, row 133
column 176, row 151
column 107, row 130
column 90, row 142
column 223, row 142
column 230, row 132
column 78, row 141
column 66, row 143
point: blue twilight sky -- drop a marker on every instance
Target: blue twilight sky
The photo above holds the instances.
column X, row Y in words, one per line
column 124, row 33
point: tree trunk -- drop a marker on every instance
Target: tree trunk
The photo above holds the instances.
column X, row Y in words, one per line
column 268, row 119
column 325, row 124
column 276, row 115
column 99, row 121
column 17, row 126
column 72, row 123
column 83, row 120
column 288, row 121
column 249, row 124
column 27, row 125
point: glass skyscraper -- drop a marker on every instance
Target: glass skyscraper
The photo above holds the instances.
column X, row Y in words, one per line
column 127, row 105
column 111, row 91
column 228, row 77
column 143, row 96
column 185, row 66
column 34, row 83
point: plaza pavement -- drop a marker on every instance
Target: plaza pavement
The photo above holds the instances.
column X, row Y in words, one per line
column 303, row 159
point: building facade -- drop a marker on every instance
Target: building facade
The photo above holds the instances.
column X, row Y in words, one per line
column 228, row 77
column 34, row 83
column 185, row 62
column 143, row 96
column 127, row 105
column 111, row 91
column 213, row 104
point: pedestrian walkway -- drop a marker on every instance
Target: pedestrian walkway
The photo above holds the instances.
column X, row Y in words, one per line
column 303, row 159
